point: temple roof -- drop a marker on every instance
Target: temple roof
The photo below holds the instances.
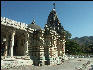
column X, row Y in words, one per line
column 33, row 25
column 53, row 18
column 53, row 22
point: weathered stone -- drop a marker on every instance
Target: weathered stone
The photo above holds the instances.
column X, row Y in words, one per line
column 43, row 46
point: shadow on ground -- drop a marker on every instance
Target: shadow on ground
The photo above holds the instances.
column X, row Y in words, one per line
column 91, row 67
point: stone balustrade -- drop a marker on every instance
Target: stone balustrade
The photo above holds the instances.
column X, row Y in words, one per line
column 12, row 23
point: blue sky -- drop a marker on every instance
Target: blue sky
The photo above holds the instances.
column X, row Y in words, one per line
column 75, row 16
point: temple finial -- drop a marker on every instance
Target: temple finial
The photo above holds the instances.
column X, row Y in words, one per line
column 54, row 5
column 33, row 22
column 33, row 19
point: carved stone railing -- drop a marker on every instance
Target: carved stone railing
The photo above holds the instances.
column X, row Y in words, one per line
column 15, row 24
column 12, row 23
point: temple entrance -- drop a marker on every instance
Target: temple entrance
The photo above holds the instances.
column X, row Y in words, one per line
column 19, row 44
column 15, row 48
column 12, row 45
column 2, row 48
column 3, row 44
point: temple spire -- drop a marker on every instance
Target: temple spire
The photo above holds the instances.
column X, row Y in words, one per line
column 54, row 5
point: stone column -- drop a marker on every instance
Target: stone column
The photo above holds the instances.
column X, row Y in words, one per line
column 6, row 45
column 12, row 43
column 64, row 47
column 26, row 44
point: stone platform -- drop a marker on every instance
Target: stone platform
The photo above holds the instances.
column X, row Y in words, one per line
column 72, row 64
column 15, row 62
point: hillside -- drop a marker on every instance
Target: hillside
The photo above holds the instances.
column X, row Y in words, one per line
column 85, row 44
column 84, row 41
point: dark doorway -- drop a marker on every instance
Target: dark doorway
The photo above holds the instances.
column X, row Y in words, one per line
column 2, row 48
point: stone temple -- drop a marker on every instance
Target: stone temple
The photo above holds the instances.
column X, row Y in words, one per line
column 43, row 46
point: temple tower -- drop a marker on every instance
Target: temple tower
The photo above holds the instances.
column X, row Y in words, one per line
column 55, row 31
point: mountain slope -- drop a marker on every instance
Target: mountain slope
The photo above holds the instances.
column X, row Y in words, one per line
column 84, row 41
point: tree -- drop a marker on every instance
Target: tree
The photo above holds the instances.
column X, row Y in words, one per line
column 89, row 49
column 68, row 35
column 73, row 48
column 86, row 43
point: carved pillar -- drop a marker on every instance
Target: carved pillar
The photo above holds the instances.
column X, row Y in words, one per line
column 12, row 43
column 64, row 47
column 26, row 44
column 6, row 45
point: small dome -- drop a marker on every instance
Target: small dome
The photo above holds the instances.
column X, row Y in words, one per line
column 34, row 26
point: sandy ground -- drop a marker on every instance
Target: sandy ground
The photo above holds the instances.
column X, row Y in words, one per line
column 73, row 64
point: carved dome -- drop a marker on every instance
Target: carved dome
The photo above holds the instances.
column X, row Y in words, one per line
column 33, row 25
